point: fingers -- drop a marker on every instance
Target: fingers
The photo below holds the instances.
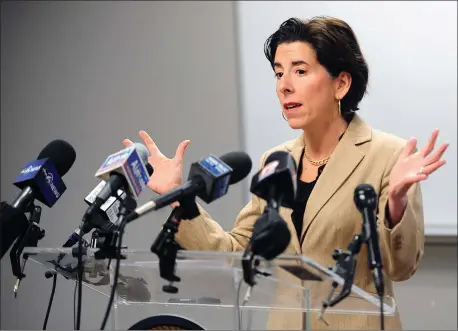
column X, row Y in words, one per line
column 154, row 150
column 438, row 154
column 429, row 169
column 409, row 148
column 431, row 142
column 127, row 142
column 148, row 142
column 181, row 149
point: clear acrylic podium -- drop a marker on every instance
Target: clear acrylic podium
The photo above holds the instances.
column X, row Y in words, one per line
column 212, row 293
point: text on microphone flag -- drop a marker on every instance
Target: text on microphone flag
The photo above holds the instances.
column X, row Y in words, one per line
column 215, row 166
column 136, row 173
column 114, row 161
column 43, row 177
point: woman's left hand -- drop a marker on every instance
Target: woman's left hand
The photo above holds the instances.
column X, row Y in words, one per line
column 409, row 169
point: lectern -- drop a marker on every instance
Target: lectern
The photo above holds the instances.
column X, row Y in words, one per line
column 211, row 294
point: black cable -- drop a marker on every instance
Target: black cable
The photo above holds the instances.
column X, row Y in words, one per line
column 74, row 305
column 80, row 282
column 80, row 267
column 50, row 274
column 128, row 204
column 382, row 319
column 115, row 280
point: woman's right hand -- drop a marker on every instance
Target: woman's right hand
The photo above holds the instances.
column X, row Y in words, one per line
column 168, row 173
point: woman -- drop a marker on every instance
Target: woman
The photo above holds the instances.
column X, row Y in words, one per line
column 321, row 78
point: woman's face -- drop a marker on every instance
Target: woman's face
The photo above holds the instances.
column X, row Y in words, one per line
column 307, row 92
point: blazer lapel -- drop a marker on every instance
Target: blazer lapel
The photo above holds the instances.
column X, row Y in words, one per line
column 294, row 147
column 341, row 164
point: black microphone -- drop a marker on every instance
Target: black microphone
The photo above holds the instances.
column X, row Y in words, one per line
column 366, row 199
column 124, row 170
column 104, row 219
column 209, row 179
column 108, row 197
column 109, row 210
column 276, row 183
column 39, row 180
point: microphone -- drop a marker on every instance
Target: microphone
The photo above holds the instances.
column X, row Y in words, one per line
column 39, row 180
column 123, row 170
column 209, row 179
column 276, row 183
column 365, row 199
column 109, row 210
column 106, row 215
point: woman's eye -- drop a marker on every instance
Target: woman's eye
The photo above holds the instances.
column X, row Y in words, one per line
column 301, row 71
column 278, row 74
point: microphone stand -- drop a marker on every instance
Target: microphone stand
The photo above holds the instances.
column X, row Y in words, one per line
column 264, row 243
column 345, row 268
column 29, row 238
column 268, row 224
column 165, row 247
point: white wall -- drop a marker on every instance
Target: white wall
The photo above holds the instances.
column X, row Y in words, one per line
column 411, row 49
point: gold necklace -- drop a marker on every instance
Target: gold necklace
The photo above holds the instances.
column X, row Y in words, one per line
column 316, row 163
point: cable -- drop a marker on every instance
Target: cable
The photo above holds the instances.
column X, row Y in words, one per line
column 74, row 305
column 50, row 274
column 128, row 204
column 237, row 306
column 80, row 266
column 80, row 282
column 245, row 301
column 115, row 278
column 382, row 319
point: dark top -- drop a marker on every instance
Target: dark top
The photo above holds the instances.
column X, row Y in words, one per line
column 304, row 189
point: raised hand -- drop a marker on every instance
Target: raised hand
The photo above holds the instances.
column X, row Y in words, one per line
column 411, row 168
column 168, row 173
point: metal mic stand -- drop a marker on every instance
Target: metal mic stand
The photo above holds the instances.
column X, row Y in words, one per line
column 262, row 244
column 345, row 268
column 165, row 246
column 107, row 241
column 249, row 265
column 29, row 238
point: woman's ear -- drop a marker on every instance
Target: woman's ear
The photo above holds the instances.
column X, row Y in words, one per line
column 342, row 85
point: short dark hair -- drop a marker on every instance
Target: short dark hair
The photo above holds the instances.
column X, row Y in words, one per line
column 336, row 48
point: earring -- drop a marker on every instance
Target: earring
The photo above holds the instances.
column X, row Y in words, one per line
column 284, row 117
column 340, row 110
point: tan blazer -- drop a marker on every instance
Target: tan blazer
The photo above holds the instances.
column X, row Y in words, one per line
column 363, row 155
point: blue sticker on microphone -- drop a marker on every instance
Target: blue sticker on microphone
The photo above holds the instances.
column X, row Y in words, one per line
column 41, row 175
column 136, row 172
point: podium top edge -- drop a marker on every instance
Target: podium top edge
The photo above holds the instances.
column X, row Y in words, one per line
column 182, row 254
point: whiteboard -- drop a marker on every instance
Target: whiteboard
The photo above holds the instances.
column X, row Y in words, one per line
column 411, row 50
